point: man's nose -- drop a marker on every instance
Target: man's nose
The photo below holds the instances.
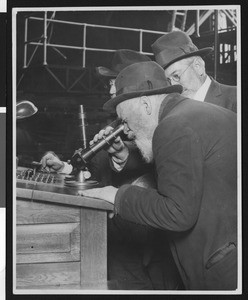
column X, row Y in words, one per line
column 126, row 129
column 112, row 89
column 130, row 134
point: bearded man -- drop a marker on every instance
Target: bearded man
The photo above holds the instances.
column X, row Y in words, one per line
column 194, row 148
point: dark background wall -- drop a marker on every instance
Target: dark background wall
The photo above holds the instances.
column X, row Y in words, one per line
column 54, row 127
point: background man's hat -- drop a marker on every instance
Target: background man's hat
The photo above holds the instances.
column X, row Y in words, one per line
column 140, row 79
column 122, row 58
column 175, row 46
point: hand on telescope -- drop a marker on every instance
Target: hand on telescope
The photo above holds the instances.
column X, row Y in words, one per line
column 118, row 150
column 51, row 163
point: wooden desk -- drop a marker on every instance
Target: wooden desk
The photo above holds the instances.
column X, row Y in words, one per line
column 61, row 238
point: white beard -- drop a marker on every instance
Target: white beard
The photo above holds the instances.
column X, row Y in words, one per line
column 145, row 147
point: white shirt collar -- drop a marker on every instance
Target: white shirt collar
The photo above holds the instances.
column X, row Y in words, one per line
column 202, row 92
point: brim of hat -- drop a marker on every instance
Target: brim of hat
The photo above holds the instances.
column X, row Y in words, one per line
column 103, row 71
column 202, row 52
column 113, row 102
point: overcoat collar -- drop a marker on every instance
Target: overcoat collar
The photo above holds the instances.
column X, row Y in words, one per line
column 214, row 90
column 169, row 102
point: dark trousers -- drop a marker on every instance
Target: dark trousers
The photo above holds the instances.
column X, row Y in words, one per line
column 139, row 258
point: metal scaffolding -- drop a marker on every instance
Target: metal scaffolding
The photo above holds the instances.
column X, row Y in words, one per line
column 44, row 42
column 225, row 51
column 81, row 75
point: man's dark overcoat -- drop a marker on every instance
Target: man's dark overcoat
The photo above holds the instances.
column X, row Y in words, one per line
column 222, row 95
column 195, row 203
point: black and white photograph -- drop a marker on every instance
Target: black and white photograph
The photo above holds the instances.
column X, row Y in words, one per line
column 126, row 150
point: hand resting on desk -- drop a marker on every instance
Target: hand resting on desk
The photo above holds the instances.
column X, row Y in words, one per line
column 51, row 163
column 106, row 193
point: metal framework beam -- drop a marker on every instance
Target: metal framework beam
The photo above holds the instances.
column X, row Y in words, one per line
column 203, row 17
column 44, row 42
column 231, row 16
column 73, row 79
column 178, row 16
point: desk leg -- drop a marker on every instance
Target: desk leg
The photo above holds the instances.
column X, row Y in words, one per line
column 93, row 246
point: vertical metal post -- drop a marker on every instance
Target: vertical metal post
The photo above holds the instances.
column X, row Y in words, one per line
column 222, row 54
column 25, row 43
column 216, row 43
column 184, row 20
column 45, row 39
column 141, row 40
column 173, row 21
column 82, row 117
column 84, row 46
column 197, row 31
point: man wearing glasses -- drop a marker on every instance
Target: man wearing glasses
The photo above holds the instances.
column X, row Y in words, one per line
column 183, row 64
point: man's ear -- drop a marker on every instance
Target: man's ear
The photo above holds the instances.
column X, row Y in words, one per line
column 146, row 104
column 198, row 66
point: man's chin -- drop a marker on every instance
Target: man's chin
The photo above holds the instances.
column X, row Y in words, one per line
column 187, row 93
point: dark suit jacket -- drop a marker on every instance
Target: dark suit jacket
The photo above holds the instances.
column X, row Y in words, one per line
column 195, row 202
column 222, row 95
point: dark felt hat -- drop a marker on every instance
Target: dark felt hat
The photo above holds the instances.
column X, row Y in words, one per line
column 175, row 46
column 140, row 79
column 121, row 59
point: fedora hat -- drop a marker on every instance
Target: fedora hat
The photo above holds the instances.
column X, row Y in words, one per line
column 140, row 79
column 175, row 46
column 121, row 59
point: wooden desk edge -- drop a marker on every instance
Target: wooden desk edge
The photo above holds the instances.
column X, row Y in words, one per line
column 66, row 199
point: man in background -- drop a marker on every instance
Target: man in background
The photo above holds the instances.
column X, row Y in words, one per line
column 121, row 59
column 183, row 64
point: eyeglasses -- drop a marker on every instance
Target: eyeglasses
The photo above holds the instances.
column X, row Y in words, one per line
column 177, row 77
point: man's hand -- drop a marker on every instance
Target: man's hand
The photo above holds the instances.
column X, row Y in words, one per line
column 117, row 149
column 51, row 163
column 106, row 193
